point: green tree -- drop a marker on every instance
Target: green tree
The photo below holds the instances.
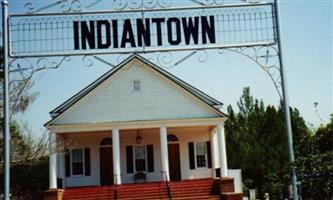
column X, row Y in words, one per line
column 256, row 143
column 315, row 163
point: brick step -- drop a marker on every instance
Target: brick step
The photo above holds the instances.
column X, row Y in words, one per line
column 87, row 192
column 95, row 188
column 87, row 198
column 182, row 190
column 97, row 195
column 195, row 191
column 157, row 191
column 145, row 198
column 192, row 187
column 142, row 189
column 206, row 197
column 192, row 183
column 87, row 195
column 143, row 195
column 84, row 195
column 232, row 196
column 90, row 198
column 134, row 185
column 192, row 194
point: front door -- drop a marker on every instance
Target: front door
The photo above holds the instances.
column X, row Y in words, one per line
column 106, row 165
column 174, row 162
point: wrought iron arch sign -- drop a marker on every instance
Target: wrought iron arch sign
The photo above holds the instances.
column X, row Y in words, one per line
column 156, row 28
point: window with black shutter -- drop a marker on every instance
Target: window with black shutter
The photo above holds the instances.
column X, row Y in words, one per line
column 77, row 162
column 129, row 159
column 87, row 167
column 201, row 154
column 68, row 163
column 150, row 157
column 209, row 154
column 140, row 158
column 191, row 155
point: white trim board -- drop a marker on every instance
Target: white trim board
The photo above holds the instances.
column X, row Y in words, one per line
column 135, row 125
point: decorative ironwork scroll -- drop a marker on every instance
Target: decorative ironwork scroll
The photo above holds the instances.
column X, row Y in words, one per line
column 266, row 57
column 141, row 31
column 67, row 6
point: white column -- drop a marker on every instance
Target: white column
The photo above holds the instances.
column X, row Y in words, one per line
column 213, row 145
column 164, row 153
column 116, row 156
column 52, row 161
column 222, row 150
column 61, row 162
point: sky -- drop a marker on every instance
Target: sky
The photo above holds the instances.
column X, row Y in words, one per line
column 307, row 31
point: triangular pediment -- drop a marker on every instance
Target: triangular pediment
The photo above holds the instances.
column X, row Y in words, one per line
column 114, row 99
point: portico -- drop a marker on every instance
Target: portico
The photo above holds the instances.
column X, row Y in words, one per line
column 157, row 140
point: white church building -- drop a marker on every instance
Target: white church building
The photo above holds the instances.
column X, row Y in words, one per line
column 136, row 124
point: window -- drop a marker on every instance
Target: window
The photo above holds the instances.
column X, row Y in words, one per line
column 201, row 154
column 106, row 142
column 77, row 162
column 136, row 86
column 172, row 138
column 140, row 158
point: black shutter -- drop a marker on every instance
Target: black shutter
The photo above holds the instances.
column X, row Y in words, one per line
column 209, row 155
column 191, row 155
column 150, row 157
column 218, row 172
column 68, row 163
column 129, row 159
column 87, row 162
column 59, row 183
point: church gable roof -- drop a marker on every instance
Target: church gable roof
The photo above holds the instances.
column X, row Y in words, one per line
column 209, row 101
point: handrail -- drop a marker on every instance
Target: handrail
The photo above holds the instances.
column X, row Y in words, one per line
column 167, row 184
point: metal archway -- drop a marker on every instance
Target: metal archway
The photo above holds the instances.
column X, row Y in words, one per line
column 234, row 12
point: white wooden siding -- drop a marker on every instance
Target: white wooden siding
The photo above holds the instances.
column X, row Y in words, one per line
column 115, row 101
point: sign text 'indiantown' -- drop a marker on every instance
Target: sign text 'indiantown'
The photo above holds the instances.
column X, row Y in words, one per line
column 105, row 32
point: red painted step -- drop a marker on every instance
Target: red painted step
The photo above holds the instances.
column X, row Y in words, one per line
column 156, row 190
column 89, row 193
column 194, row 189
column 206, row 189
